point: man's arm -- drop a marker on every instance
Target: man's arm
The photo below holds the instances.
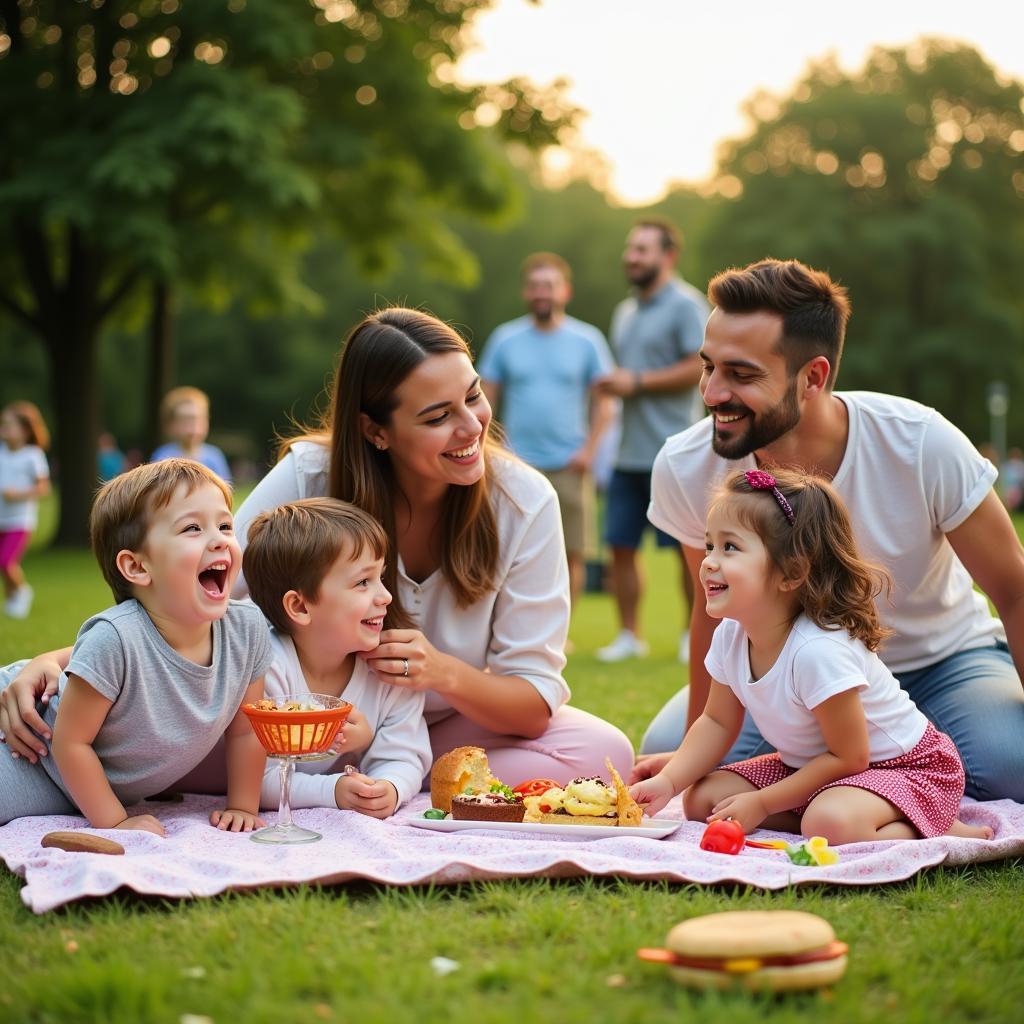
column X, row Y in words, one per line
column 678, row 376
column 701, row 628
column 990, row 550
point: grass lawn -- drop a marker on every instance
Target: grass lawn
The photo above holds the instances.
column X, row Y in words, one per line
column 947, row 945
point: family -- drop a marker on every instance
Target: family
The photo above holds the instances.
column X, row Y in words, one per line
column 856, row 687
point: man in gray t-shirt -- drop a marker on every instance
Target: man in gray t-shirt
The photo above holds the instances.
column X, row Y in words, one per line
column 656, row 334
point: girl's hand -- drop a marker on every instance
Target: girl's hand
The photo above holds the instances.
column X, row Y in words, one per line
column 143, row 823
column 233, row 820
column 406, row 657
column 20, row 723
column 354, row 736
column 647, row 766
column 747, row 809
column 652, row 794
column 375, row 797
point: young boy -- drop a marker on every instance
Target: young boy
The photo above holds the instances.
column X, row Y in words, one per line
column 185, row 419
column 314, row 567
column 152, row 683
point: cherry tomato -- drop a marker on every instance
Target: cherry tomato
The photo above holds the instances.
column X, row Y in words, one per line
column 534, row 787
column 723, row 836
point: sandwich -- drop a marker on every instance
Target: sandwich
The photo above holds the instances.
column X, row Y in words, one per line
column 461, row 772
column 757, row 950
column 585, row 801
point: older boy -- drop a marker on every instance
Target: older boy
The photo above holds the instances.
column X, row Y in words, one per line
column 153, row 682
column 314, row 567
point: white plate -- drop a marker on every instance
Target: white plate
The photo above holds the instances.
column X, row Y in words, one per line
column 657, row 829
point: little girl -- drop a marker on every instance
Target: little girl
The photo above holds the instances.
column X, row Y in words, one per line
column 857, row 761
column 24, row 479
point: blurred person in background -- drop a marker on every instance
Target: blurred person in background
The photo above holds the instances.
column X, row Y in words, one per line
column 185, row 418
column 656, row 334
column 539, row 369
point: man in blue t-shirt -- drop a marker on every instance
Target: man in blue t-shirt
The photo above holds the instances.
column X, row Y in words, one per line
column 540, row 368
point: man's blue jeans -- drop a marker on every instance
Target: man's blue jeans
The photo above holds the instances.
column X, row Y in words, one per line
column 975, row 697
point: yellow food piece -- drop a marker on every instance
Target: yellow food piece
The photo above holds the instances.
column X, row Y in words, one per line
column 817, row 847
column 744, row 965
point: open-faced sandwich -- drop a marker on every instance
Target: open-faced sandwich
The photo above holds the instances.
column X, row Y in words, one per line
column 586, row 801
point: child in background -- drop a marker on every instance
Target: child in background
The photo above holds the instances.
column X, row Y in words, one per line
column 857, row 761
column 24, row 479
column 314, row 567
column 155, row 681
column 185, row 419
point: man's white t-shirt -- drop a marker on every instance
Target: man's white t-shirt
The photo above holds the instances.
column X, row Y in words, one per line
column 908, row 477
column 398, row 753
column 815, row 664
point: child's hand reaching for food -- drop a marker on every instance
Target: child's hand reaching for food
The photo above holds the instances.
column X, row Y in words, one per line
column 652, row 794
column 354, row 736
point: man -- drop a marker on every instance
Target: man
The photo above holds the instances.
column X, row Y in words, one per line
column 655, row 336
column 919, row 494
column 541, row 368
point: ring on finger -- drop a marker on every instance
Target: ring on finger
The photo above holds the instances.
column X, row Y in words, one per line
column 405, row 666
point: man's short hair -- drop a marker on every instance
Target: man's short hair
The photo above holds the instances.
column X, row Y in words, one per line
column 179, row 396
column 814, row 309
column 124, row 507
column 294, row 546
column 671, row 236
column 545, row 259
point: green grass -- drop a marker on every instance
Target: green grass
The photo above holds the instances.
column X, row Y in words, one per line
column 946, row 945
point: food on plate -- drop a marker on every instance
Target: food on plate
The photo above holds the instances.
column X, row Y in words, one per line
column 586, row 801
column 758, row 950
column 266, row 704
column 80, row 842
column 499, row 803
column 434, row 814
column 463, row 770
column 535, row 787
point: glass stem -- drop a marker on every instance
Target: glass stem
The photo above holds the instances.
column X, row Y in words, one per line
column 284, row 809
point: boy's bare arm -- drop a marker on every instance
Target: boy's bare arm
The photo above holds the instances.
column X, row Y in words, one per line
column 246, row 760
column 81, row 715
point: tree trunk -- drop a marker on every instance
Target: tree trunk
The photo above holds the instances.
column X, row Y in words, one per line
column 73, row 372
column 161, row 362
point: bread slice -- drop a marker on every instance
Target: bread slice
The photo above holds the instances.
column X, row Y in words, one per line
column 453, row 773
column 80, row 842
column 573, row 819
column 764, row 979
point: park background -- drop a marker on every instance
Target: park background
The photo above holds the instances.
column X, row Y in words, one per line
column 211, row 192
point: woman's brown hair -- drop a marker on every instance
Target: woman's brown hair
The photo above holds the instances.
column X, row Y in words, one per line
column 379, row 353
column 837, row 587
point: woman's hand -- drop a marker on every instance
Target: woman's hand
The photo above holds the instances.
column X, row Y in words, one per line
column 233, row 820
column 652, row 794
column 143, row 823
column 406, row 657
column 23, row 729
column 747, row 809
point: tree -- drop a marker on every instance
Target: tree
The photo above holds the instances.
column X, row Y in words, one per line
column 150, row 144
column 906, row 181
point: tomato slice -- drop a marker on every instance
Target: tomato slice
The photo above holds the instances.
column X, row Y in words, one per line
column 534, row 787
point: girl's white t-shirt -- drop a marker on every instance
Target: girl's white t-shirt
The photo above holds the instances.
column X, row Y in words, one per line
column 20, row 469
column 815, row 664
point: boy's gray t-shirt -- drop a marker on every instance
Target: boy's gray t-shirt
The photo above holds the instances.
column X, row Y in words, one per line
column 168, row 712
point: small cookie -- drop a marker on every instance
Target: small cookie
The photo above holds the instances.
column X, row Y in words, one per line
column 80, row 842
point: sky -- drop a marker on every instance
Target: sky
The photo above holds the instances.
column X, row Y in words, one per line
column 663, row 81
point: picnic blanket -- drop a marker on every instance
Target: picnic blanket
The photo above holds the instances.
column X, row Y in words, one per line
column 197, row 860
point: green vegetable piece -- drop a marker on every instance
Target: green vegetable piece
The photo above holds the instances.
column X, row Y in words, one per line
column 800, row 855
column 435, row 814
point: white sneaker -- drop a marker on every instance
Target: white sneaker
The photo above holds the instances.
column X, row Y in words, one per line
column 19, row 604
column 625, row 645
column 684, row 647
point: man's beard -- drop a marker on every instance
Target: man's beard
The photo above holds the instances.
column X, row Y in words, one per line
column 764, row 428
column 543, row 312
column 642, row 277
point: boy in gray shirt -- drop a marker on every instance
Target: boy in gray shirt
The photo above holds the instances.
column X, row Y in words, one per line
column 152, row 683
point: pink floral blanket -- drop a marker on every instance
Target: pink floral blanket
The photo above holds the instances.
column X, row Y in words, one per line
column 197, row 860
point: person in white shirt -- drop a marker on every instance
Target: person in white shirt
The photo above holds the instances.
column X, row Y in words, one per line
column 920, row 498
column 856, row 761
column 314, row 569
column 478, row 574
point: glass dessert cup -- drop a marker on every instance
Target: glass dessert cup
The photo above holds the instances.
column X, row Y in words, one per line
column 290, row 737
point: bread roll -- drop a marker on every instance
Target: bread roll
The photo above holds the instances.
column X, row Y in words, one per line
column 80, row 842
column 454, row 772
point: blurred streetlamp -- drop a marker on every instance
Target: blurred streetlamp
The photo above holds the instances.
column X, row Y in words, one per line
column 998, row 406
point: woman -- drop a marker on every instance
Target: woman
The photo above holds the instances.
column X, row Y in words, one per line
column 480, row 581
column 480, row 568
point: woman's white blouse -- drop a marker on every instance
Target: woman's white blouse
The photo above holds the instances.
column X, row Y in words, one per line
column 520, row 628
